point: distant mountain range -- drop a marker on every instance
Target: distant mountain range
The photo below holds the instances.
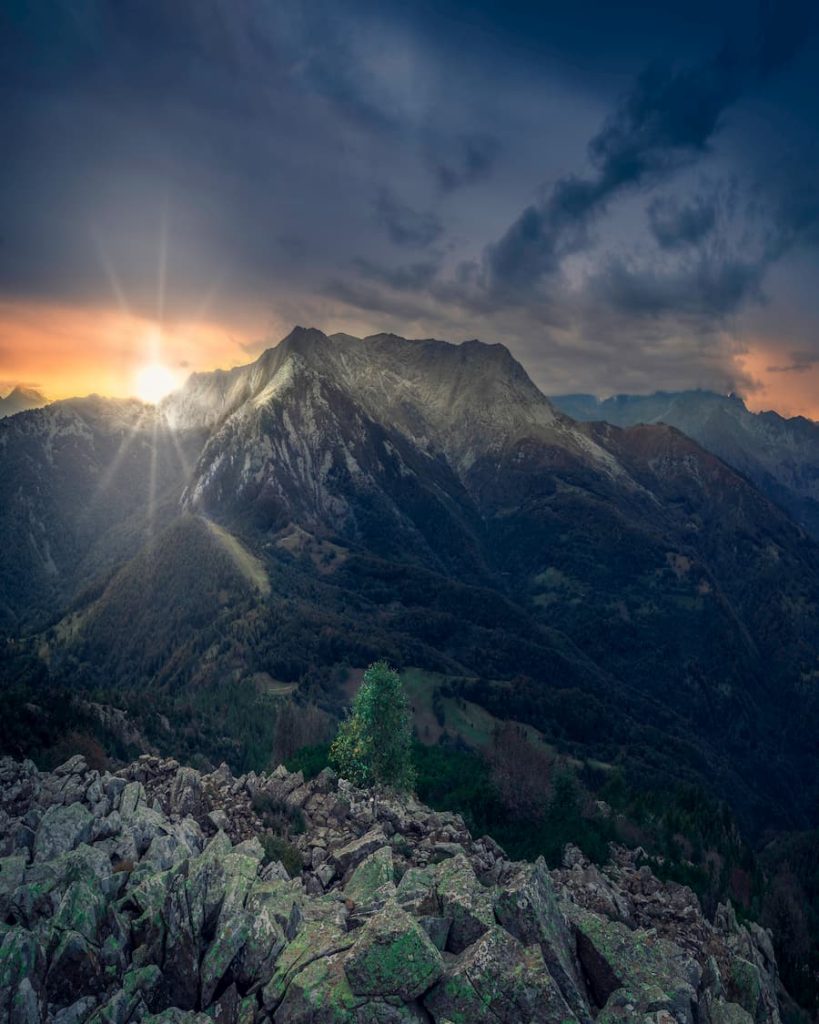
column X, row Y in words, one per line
column 20, row 399
column 781, row 455
column 625, row 591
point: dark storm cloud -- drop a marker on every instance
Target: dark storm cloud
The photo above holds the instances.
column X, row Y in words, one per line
column 675, row 224
column 403, row 224
column 375, row 161
column 471, row 160
column 702, row 287
column 667, row 120
column 801, row 362
column 410, row 277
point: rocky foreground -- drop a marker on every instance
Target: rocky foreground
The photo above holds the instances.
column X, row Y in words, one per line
column 152, row 895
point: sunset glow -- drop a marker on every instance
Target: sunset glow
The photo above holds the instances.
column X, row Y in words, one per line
column 66, row 351
column 154, row 381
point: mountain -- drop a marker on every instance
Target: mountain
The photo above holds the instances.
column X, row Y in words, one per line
column 280, row 525
column 169, row 896
column 780, row 455
column 19, row 399
column 84, row 481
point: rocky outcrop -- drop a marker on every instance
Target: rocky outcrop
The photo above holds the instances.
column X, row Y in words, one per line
column 157, row 895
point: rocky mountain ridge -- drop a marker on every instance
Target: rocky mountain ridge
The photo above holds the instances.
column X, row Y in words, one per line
column 153, row 894
column 780, row 454
column 20, row 399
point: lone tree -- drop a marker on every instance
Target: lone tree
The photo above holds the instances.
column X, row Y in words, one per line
column 374, row 743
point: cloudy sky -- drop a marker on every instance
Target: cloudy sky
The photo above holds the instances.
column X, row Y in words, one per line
column 625, row 194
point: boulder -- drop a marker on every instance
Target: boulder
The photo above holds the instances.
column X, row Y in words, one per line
column 62, row 828
column 22, row 965
column 527, row 908
column 351, row 855
column 650, row 972
column 371, row 883
column 498, row 981
column 392, row 956
column 465, row 901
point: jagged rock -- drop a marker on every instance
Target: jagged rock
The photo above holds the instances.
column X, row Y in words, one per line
column 116, row 909
column 417, row 893
column 650, row 973
column 74, row 968
column 61, row 829
column 437, row 928
column 180, row 966
column 527, row 908
column 22, row 964
column 186, row 795
column 82, row 910
column 317, row 940
column 351, row 855
column 12, row 873
column 133, row 1001
column 371, row 883
column 498, row 981
column 465, row 901
column 392, row 956
column 321, row 994
column 729, row 1013
column 228, row 942
column 173, row 1015
column 77, row 1012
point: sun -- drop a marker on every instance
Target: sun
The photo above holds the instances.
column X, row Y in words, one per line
column 153, row 382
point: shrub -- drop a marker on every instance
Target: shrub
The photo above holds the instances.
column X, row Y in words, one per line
column 278, row 848
column 373, row 746
column 276, row 814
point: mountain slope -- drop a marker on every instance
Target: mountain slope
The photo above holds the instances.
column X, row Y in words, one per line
column 625, row 591
column 779, row 454
column 83, row 482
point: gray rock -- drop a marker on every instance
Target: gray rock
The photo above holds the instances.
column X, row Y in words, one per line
column 61, row 829
column 392, row 956
column 498, row 981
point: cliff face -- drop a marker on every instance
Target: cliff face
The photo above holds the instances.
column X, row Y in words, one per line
column 154, row 894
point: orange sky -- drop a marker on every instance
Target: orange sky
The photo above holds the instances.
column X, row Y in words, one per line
column 791, row 394
column 68, row 350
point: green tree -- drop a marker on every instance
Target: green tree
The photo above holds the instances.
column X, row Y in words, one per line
column 373, row 746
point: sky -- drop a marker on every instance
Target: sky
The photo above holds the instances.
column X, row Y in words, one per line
column 627, row 195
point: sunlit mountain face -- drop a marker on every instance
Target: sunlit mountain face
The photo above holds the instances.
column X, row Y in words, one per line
column 603, row 605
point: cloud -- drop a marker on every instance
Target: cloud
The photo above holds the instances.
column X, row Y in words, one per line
column 664, row 122
column 800, row 362
column 404, row 225
column 410, row 277
column 675, row 224
column 471, row 160
column 701, row 287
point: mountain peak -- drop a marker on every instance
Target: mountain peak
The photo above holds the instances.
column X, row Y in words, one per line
column 20, row 399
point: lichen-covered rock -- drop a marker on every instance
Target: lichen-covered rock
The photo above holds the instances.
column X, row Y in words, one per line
column 317, row 940
column 62, row 828
column 527, row 907
column 392, row 956
column 133, row 1001
column 467, row 903
column 320, row 994
column 353, row 853
column 417, row 893
column 635, row 969
column 145, row 896
column 498, row 981
column 22, row 964
column 371, row 883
